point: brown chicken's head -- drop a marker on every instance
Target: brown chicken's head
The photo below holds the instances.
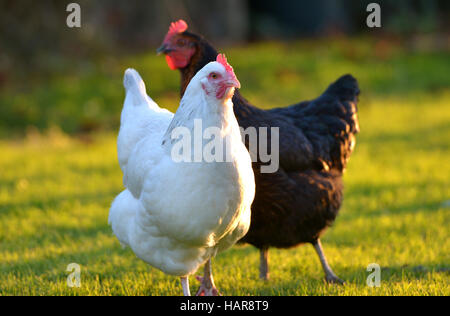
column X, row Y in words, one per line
column 178, row 46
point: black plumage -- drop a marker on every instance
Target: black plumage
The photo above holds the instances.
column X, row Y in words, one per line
column 296, row 204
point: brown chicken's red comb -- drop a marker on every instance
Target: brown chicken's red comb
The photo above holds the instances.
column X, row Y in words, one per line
column 178, row 27
column 223, row 60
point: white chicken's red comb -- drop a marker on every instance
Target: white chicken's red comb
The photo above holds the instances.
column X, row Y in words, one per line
column 223, row 60
column 177, row 27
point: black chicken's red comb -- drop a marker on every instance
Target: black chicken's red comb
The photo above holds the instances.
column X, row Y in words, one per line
column 178, row 27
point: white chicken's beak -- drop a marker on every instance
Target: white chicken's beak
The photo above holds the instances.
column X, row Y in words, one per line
column 233, row 83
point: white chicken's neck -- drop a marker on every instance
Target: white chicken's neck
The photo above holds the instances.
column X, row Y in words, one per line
column 196, row 105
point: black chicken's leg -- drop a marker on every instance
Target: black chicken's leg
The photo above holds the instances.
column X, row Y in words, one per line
column 264, row 264
column 330, row 277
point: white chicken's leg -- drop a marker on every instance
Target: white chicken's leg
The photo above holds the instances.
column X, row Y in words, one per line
column 330, row 277
column 207, row 286
column 185, row 285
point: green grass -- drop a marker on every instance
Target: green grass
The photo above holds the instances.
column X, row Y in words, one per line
column 55, row 190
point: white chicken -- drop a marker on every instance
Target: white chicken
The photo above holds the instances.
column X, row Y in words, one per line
column 177, row 215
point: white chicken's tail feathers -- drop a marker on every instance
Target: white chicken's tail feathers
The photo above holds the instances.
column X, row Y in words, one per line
column 135, row 86
column 122, row 213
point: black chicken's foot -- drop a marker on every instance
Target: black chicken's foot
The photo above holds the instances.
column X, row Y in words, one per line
column 330, row 276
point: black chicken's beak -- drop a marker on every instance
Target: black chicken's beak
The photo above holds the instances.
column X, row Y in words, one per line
column 163, row 49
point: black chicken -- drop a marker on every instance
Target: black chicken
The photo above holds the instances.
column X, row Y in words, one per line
column 297, row 203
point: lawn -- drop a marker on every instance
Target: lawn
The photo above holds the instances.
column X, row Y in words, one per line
column 55, row 189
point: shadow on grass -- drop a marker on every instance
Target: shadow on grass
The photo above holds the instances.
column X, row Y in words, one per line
column 55, row 202
column 354, row 277
column 58, row 236
column 49, row 263
column 390, row 209
column 97, row 266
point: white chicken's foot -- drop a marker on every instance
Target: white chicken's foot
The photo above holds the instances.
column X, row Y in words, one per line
column 207, row 286
column 330, row 277
column 185, row 285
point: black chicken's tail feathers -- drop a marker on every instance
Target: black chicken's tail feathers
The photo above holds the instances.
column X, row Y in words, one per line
column 345, row 88
column 346, row 91
column 327, row 125
column 330, row 123
column 337, row 108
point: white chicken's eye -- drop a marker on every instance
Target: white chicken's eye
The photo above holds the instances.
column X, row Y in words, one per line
column 214, row 76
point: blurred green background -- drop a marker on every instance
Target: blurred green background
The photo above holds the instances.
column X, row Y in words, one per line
column 51, row 75
column 61, row 96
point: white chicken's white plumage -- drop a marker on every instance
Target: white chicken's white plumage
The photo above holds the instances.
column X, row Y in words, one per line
column 141, row 116
column 176, row 216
